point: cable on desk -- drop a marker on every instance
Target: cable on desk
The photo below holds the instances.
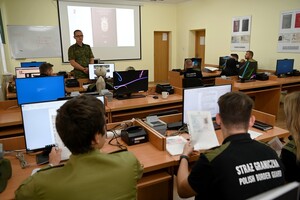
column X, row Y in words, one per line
column 22, row 160
column 118, row 144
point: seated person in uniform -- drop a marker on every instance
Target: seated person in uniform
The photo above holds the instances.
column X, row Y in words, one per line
column 248, row 57
column 238, row 169
column 89, row 173
column 290, row 153
column 190, row 72
column 46, row 69
column 231, row 67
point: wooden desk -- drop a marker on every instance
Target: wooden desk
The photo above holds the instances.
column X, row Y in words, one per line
column 289, row 84
column 11, row 128
column 266, row 94
column 156, row 183
column 121, row 110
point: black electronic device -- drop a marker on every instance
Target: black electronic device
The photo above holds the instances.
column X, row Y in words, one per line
column 164, row 88
column 72, row 83
column 128, row 82
column 284, row 67
column 223, row 61
column 248, row 71
column 262, row 126
column 262, row 76
column 134, row 135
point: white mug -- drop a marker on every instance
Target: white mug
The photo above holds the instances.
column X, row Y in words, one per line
column 164, row 95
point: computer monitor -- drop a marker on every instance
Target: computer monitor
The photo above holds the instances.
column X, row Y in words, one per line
column 203, row 99
column 223, row 60
column 284, row 67
column 110, row 68
column 31, row 64
column 128, row 82
column 26, row 72
column 42, row 133
column 248, row 71
column 196, row 62
column 39, row 89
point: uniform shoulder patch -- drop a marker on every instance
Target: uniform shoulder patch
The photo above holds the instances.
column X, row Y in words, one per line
column 214, row 152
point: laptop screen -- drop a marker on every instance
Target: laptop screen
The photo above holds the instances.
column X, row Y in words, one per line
column 41, row 133
column 25, row 72
column 203, row 99
column 40, row 89
column 110, row 68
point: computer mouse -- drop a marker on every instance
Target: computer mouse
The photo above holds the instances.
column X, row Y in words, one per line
column 155, row 97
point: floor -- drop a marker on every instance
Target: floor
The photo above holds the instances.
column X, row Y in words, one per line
column 280, row 122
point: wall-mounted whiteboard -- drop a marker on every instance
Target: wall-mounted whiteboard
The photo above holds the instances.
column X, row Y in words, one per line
column 34, row 41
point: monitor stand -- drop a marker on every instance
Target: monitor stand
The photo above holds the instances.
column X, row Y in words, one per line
column 130, row 96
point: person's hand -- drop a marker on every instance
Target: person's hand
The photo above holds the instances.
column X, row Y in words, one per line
column 188, row 149
column 86, row 70
column 55, row 156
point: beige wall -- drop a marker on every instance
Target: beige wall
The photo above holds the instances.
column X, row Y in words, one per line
column 44, row 13
column 213, row 15
column 216, row 17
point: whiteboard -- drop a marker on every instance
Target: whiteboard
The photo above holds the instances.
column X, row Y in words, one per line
column 34, row 41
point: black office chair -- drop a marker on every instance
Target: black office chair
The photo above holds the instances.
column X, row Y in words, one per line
column 191, row 82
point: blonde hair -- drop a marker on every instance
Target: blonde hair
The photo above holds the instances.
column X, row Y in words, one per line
column 292, row 115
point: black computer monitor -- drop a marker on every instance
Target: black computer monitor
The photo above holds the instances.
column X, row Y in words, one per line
column 203, row 99
column 39, row 89
column 223, row 60
column 42, row 133
column 110, row 68
column 26, row 72
column 248, row 71
column 196, row 62
column 284, row 67
column 31, row 64
column 128, row 82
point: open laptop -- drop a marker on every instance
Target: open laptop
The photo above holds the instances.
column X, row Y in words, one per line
column 39, row 126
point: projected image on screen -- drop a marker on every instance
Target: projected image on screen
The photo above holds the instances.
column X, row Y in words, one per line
column 112, row 31
column 128, row 82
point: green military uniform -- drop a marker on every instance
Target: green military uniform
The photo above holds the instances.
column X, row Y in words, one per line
column 93, row 175
column 82, row 55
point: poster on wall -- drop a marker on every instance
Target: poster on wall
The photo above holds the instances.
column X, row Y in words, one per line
column 240, row 36
column 289, row 32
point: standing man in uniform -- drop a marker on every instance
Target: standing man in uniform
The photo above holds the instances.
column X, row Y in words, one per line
column 238, row 169
column 80, row 56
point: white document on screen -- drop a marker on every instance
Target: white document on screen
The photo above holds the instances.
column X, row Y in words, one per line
column 201, row 130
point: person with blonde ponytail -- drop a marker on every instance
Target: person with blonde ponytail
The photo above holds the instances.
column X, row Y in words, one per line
column 290, row 154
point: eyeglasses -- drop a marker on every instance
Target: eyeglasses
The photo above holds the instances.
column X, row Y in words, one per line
column 78, row 36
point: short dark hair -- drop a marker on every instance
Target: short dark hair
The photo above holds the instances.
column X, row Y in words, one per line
column 76, row 31
column 235, row 109
column 45, row 67
column 235, row 55
column 251, row 53
column 78, row 121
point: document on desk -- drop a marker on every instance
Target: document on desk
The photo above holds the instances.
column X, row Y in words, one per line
column 175, row 144
column 201, row 130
